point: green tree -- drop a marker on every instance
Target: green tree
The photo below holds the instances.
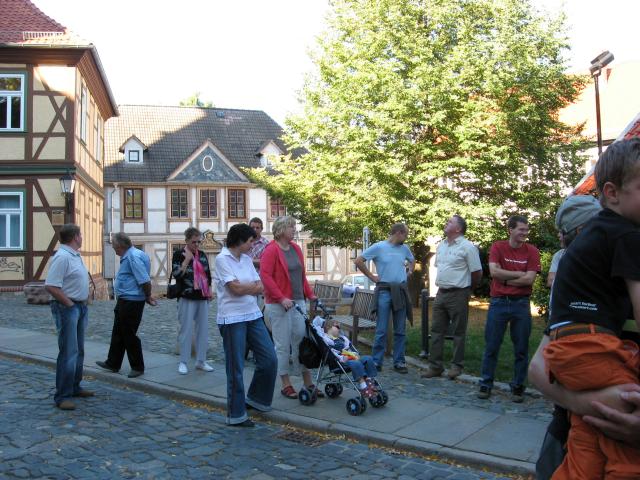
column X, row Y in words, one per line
column 418, row 109
column 195, row 101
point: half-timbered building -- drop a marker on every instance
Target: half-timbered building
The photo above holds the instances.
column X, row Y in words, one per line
column 54, row 102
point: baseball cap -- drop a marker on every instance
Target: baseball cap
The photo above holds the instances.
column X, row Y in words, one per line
column 575, row 211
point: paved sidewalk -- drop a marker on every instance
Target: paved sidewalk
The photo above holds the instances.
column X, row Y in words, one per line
column 501, row 436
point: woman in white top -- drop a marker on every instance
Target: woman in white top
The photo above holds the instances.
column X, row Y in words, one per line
column 241, row 324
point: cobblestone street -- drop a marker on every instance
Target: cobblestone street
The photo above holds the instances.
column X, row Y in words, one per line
column 125, row 434
column 158, row 332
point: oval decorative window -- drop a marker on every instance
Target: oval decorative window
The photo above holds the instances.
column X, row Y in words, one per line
column 207, row 163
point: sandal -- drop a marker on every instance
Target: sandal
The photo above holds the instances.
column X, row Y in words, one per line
column 289, row 392
column 312, row 387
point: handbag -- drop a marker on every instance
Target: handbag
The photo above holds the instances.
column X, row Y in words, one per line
column 308, row 351
column 173, row 290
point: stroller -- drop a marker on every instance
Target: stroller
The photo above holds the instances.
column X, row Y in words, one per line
column 315, row 353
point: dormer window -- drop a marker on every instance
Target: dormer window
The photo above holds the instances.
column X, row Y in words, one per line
column 267, row 152
column 133, row 150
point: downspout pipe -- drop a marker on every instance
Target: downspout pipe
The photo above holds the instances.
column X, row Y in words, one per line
column 111, row 211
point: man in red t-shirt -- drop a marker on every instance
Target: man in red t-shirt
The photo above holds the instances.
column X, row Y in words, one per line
column 513, row 265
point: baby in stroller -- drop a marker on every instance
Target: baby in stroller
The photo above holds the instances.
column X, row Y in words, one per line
column 362, row 368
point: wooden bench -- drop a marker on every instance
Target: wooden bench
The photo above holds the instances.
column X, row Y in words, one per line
column 360, row 316
column 329, row 294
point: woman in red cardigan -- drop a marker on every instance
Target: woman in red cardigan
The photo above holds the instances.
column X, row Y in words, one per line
column 285, row 285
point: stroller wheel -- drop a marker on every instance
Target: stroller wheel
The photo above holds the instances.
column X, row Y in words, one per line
column 333, row 390
column 305, row 397
column 354, row 407
column 385, row 397
column 363, row 404
column 376, row 401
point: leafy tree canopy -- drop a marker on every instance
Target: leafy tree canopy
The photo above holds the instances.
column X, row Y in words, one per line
column 195, row 101
column 418, row 109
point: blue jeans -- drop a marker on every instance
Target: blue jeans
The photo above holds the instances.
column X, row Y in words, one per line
column 71, row 323
column 399, row 339
column 365, row 367
column 516, row 313
column 235, row 338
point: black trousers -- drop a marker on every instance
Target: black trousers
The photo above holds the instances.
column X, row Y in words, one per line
column 127, row 318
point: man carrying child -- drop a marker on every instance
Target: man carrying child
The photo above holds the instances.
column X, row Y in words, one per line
column 598, row 282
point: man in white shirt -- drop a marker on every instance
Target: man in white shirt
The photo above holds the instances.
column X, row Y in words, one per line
column 459, row 270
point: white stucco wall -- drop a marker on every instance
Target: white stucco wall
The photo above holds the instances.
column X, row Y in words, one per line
column 133, row 227
column 258, row 200
column 178, row 227
column 156, row 198
column 156, row 221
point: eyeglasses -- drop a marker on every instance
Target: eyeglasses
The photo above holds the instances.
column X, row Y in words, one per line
column 196, row 241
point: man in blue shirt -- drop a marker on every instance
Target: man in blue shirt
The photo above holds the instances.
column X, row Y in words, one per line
column 394, row 262
column 132, row 288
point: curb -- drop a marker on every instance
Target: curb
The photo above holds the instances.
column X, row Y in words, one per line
column 423, row 365
column 465, row 457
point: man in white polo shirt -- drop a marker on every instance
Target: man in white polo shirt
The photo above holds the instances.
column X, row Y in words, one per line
column 459, row 270
column 68, row 282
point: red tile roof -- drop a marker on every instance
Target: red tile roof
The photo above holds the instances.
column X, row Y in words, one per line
column 22, row 23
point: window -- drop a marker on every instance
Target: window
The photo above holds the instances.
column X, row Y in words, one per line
column 314, row 257
column 179, row 203
column 84, row 112
column 265, row 161
column 11, row 220
column 97, row 141
column 134, row 156
column 353, row 254
column 12, row 101
column 277, row 208
column 237, row 203
column 208, row 203
column 133, row 203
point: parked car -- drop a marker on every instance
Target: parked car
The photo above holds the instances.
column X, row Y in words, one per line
column 355, row 281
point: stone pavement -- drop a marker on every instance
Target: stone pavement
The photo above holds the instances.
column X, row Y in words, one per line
column 436, row 416
column 121, row 433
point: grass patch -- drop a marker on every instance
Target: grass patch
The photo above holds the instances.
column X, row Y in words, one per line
column 474, row 347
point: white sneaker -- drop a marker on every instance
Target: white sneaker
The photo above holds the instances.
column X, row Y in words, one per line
column 204, row 366
column 182, row 368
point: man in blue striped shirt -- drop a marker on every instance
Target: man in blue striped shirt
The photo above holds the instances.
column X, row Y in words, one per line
column 132, row 288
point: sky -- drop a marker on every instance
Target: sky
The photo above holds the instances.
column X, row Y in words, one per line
column 253, row 54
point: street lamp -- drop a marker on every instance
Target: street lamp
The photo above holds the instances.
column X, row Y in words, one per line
column 67, row 185
column 597, row 64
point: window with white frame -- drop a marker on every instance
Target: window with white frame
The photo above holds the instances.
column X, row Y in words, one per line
column 133, row 156
column 12, row 99
column 179, row 203
column 11, row 220
column 84, row 111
